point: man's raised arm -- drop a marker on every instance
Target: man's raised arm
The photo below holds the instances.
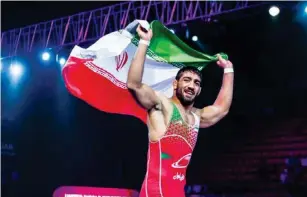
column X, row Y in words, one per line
column 212, row 114
column 146, row 96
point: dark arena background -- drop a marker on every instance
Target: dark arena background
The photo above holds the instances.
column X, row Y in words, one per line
column 50, row 139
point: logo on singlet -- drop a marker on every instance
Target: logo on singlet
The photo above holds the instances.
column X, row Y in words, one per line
column 183, row 162
column 179, row 177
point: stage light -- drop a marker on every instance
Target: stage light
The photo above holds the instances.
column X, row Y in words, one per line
column 194, row 38
column 274, row 11
column 16, row 70
column 306, row 9
column 46, row 56
column 187, row 34
column 62, row 61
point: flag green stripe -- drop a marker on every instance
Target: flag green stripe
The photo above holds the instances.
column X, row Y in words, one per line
column 157, row 58
column 167, row 47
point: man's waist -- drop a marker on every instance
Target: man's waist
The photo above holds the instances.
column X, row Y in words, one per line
column 166, row 172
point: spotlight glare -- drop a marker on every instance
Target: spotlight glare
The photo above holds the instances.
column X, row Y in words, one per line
column 274, row 11
column 62, row 61
column 173, row 31
column 194, row 38
column 16, row 70
column 306, row 9
column 45, row 56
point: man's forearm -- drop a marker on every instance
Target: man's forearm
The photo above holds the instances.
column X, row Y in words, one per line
column 136, row 69
column 224, row 97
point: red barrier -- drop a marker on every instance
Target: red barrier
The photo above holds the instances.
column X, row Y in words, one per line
column 74, row 191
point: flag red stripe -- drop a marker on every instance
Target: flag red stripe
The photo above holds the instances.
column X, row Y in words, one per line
column 99, row 91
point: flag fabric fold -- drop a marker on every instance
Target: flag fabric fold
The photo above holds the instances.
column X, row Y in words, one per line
column 98, row 74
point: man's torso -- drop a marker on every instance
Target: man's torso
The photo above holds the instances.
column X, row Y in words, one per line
column 169, row 154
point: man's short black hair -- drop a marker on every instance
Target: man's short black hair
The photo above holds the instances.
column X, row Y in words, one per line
column 189, row 69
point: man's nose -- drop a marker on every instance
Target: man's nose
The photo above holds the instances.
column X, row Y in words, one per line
column 191, row 86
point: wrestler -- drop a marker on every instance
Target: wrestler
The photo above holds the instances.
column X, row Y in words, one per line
column 173, row 123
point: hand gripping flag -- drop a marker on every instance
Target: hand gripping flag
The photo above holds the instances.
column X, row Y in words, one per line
column 98, row 74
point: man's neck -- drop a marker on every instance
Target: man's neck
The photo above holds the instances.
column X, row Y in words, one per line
column 186, row 108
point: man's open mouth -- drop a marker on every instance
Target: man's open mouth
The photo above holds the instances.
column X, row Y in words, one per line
column 189, row 92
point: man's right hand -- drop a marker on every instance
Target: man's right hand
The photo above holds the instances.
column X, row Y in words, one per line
column 145, row 35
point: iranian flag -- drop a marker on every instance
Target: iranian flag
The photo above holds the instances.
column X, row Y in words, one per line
column 98, row 74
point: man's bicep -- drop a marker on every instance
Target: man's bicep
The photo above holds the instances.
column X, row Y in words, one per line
column 210, row 115
column 147, row 97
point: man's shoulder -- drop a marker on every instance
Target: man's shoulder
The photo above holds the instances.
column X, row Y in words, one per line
column 196, row 111
column 165, row 102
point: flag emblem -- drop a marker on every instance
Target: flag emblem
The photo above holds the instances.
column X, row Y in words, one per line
column 121, row 60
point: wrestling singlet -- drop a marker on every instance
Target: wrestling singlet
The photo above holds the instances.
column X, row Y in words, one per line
column 168, row 158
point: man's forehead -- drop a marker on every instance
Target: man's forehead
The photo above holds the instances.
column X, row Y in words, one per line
column 190, row 74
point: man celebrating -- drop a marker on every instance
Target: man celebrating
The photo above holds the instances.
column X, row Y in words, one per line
column 173, row 123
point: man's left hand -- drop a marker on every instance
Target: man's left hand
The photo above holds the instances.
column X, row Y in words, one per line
column 223, row 63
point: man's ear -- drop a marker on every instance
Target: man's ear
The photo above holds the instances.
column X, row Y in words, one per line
column 175, row 84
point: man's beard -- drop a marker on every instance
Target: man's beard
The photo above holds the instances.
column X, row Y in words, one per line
column 184, row 101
